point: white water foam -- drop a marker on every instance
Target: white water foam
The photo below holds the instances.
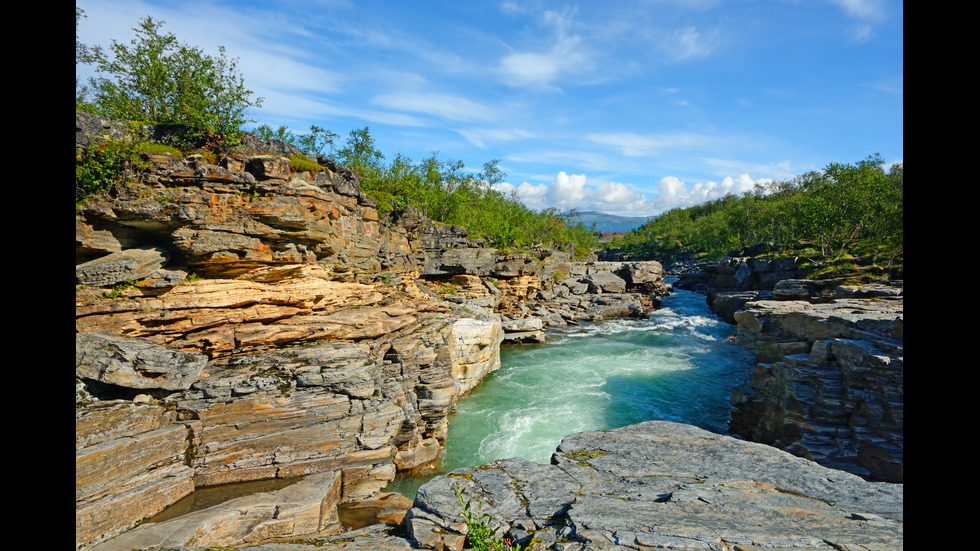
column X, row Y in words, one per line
column 674, row 366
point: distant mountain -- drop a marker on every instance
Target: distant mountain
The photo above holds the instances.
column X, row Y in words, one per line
column 611, row 222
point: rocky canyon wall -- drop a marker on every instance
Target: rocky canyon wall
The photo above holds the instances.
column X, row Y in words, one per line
column 829, row 382
column 237, row 320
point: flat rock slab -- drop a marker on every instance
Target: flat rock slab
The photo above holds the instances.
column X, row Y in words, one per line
column 305, row 509
column 665, row 485
column 135, row 363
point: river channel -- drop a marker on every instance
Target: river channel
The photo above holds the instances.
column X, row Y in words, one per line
column 678, row 365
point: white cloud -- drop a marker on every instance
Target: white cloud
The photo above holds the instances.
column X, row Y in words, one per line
column 573, row 191
column 617, row 194
column 640, row 145
column 674, row 193
column 567, row 191
column 445, row 106
column 530, row 68
column 565, row 55
column 689, row 43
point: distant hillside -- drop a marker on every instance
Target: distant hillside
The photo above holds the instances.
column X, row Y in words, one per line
column 611, row 222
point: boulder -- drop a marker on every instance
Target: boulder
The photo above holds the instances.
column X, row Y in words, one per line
column 523, row 324
column 662, row 485
column 605, row 282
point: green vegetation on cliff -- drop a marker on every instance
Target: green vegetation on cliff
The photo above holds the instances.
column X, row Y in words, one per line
column 156, row 79
column 445, row 193
column 845, row 208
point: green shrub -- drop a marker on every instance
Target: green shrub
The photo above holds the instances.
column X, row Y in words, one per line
column 101, row 168
column 480, row 536
column 156, row 79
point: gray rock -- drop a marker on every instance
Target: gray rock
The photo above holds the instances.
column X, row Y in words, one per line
column 829, row 385
column 135, row 363
column 306, row 508
column 120, row 266
column 525, row 337
column 605, row 282
column 524, row 324
column 665, row 485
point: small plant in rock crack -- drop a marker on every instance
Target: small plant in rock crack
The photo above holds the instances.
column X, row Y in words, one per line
column 480, row 535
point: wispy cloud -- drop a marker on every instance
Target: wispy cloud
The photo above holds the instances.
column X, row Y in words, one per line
column 480, row 137
column 873, row 10
column 774, row 170
column 565, row 54
column 648, row 145
column 868, row 13
column 689, row 43
column 444, row 106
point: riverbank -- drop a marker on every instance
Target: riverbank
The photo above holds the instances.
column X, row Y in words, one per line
column 677, row 364
column 245, row 321
column 829, row 380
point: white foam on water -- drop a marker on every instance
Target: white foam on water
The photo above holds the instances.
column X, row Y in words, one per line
column 674, row 366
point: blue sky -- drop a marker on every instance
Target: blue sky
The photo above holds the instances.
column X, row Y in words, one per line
column 625, row 106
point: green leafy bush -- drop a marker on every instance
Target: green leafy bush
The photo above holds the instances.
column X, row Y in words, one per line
column 102, row 167
column 480, row 536
column 445, row 193
column 317, row 142
column 156, row 79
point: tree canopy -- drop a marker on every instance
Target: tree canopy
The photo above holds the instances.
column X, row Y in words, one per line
column 157, row 79
column 845, row 206
column 445, row 192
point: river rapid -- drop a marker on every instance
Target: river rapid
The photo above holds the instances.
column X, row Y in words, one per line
column 678, row 365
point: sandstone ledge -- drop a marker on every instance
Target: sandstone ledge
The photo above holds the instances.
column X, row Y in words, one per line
column 654, row 485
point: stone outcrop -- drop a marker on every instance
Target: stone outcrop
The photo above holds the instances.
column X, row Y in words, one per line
column 829, row 382
column 153, row 421
column 237, row 320
column 742, row 273
column 656, row 485
column 305, row 509
column 828, row 385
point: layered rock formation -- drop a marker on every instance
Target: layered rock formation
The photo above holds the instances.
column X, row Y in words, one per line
column 654, row 485
column 661, row 485
column 237, row 320
column 829, row 382
column 742, row 273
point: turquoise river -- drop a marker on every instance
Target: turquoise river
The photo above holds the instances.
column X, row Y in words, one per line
column 678, row 365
